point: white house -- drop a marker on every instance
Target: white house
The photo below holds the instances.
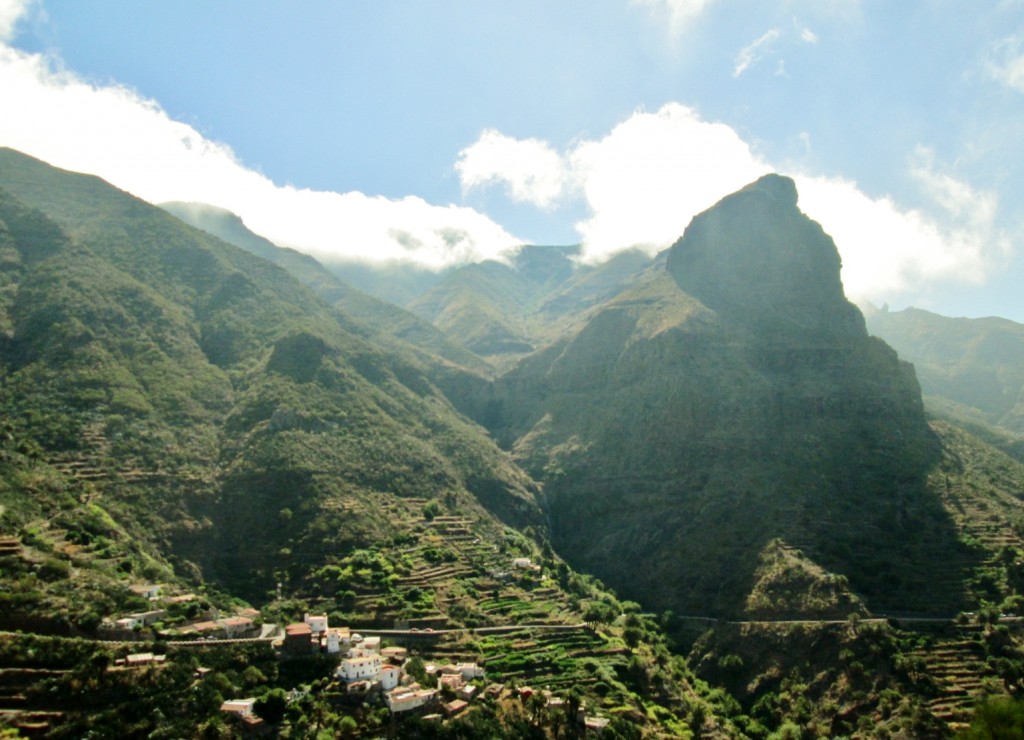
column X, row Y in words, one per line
column 403, row 699
column 451, row 681
column 371, row 644
column 128, row 623
column 241, row 707
column 317, row 623
column 236, row 626
column 395, row 654
column 389, row 676
column 146, row 591
column 361, row 667
column 150, row 617
column 469, row 671
column 337, row 640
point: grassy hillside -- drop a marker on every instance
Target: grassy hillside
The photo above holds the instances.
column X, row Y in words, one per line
column 380, row 320
column 205, row 390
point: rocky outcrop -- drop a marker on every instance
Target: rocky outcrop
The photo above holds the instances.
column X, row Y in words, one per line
column 756, row 259
column 734, row 400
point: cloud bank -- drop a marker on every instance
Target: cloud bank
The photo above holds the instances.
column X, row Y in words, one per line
column 646, row 179
column 132, row 143
column 641, row 183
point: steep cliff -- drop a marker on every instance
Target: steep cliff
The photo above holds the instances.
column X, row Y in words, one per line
column 732, row 401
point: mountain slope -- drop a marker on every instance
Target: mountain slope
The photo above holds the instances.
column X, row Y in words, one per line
column 731, row 402
column 972, row 368
column 504, row 311
column 234, row 391
column 382, row 318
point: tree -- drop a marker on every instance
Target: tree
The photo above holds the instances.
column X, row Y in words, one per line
column 537, row 703
column 996, row 719
column 415, row 668
column 271, row 706
column 431, row 509
column 598, row 613
column 632, row 636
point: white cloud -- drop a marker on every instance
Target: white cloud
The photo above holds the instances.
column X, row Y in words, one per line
column 754, row 52
column 642, row 182
column 12, row 11
column 1005, row 62
column 889, row 251
column 131, row 142
column 652, row 173
column 647, row 178
column 679, row 12
column 532, row 170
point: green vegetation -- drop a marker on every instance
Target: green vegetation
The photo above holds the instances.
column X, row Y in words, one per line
column 239, row 426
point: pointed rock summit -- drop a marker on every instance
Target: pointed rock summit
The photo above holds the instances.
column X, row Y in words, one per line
column 758, row 260
column 731, row 402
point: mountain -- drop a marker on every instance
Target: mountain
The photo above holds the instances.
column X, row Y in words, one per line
column 972, row 369
column 505, row 311
column 178, row 410
column 732, row 401
column 203, row 391
column 712, row 432
column 385, row 320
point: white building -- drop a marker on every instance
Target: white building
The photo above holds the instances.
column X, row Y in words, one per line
column 403, row 699
column 317, row 623
column 241, row 707
column 389, row 676
column 371, row 644
column 147, row 591
column 395, row 654
column 337, row 640
column 360, row 666
column 469, row 671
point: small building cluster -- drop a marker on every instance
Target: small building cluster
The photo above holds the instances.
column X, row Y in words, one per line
column 242, row 624
column 314, row 634
column 366, row 666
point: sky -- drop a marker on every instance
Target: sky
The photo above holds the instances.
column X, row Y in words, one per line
column 450, row 131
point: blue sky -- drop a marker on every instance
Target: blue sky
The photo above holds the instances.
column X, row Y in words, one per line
column 439, row 132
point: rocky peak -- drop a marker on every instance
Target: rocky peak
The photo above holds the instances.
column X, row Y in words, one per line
column 759, row 261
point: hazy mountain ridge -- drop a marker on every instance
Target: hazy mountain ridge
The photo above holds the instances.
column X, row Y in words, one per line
column 382, row 318
column 505, row 311
column 972, row 368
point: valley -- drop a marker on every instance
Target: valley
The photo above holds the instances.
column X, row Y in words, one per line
column 681, row 496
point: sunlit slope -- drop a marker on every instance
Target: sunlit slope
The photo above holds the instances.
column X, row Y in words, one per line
column 969, row 368
column 235, row 391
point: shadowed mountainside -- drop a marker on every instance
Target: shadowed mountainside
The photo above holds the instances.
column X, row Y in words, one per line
column 733, row 401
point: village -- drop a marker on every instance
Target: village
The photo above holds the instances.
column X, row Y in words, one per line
column 368, row 670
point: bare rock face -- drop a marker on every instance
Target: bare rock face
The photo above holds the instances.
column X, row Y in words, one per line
column 757, row 259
